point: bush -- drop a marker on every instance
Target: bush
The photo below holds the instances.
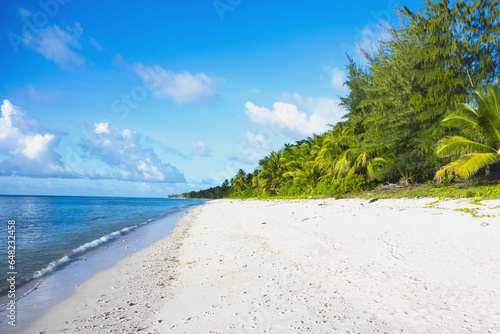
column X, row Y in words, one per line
column 448, row 181
column 445, row 182
column 346, row 185
column 291, row 189
column 352, row 183
column 324, row 188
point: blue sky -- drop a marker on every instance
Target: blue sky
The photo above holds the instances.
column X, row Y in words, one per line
column 129, row 98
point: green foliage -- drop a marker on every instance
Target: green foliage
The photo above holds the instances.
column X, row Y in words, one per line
column 241, row 181
column 357, row 111
column 270, row 177
column 291, row 189
column 334, row 187
column 398, row 108
column 480, row 143
column 212, row 193
column 458, row 190
column 446, row 182
column 470, row 193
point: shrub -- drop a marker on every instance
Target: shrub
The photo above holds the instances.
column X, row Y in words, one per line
column 470, row 193
column 445, row 182
column 346, row 185
column 448, row 181
column 352, row 183
column 291, row 189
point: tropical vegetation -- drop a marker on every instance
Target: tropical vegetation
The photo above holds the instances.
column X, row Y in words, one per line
column 424, row 107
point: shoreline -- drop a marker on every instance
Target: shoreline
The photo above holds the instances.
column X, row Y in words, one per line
column 303, row 265
column 38, row 295
column 90, row 300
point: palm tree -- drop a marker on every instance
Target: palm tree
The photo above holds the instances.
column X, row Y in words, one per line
column 294, row 158
column 334, row 143
column 358, row 159
column 299, row 162
column 346, row 154
column 271, row 173
column 240, row 180
column 307, row 177
column 479, row 146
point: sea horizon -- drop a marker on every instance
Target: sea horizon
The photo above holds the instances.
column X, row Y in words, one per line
column 53, row 231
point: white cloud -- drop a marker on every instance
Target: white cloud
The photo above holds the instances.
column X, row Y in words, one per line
column 96, row 45
column 338, row 77
column 127, row 157
column 244, row 160
column 37, row 145
column 57, row 45
column 103, row 128
column 199, row 148
column 258, row 139
column 288, row 120
column 181, row 87
column 29, row 152
column 370, row 38
column 47, row 97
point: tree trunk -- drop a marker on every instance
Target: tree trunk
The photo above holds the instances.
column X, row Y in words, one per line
column 487, row 171
column 470, row 79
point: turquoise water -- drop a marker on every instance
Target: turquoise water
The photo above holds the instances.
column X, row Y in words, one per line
column 54, row 231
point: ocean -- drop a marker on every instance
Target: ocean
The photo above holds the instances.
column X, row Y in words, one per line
column 51, row 232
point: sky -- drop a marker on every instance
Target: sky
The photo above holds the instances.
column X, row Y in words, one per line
column 153, row 98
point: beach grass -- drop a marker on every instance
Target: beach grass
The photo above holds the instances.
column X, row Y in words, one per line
column 476, row 189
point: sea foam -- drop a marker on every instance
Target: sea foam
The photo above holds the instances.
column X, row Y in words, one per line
column 89, row 245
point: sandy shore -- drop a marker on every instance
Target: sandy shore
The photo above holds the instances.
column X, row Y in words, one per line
column 316, row 266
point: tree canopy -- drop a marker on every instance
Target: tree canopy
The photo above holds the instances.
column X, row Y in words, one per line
column 400, row 106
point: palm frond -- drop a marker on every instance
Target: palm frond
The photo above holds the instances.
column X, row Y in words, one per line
column 487, row 106
column 469, row 164
column 379, row 161
column 464, row 118
column 458, row 145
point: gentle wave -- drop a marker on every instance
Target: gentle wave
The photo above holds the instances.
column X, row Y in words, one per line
column 51, row 266
column 92, row 244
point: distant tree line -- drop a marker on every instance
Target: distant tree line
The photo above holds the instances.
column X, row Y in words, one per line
column 212, row 193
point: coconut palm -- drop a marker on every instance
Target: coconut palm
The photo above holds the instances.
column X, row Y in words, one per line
column 293, row 157
column 240, row 180
column 334, row 143
column 271, row 173
column 307, row 177
column 358, row 159
column 479, row 146
column 344, row 153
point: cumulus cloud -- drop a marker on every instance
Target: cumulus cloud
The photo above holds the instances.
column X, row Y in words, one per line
column 30, row 151
column 199, row 148
column 47, row 97
column 257, row 139
column 338, row 77
column 57, row 45
column 181, row 87
column 288, row 120
column 129, row 159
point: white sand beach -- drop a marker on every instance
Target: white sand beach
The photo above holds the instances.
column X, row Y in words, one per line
column 303, row 266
